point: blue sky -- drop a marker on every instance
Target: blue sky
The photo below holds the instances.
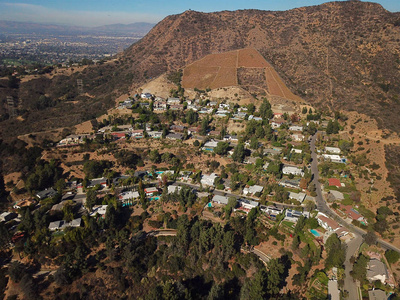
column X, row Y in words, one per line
column 102, row 12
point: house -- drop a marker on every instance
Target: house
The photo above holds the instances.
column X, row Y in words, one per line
column 23, row 203
column 273, row 151
column 220, row 199
column 214, row 133
column 174, row 188
column 137, row 133
column 332, row 150
column 247, row 205
column 297, row 137
column 173, row 101
column 290, row 183
column 377, row 295
column 208, row 180
column 334, row 182
column 145, row 96
column 276, row 123
column 60, row 225
column 292, row 170
column 129, row 195
column 352, row 213
column 271, row 211
column 210, row 145
column 334, row 158
column 174, row 136
column 292, row 215
column 296, row 128
column 177, row 128
column 194, row 130
column 327, row 223
column 335, row 196
column 120, row 134
column 140, row 174
column 160, row 105
column 150, row 191
column 98, row 181
column 377, row 270
column 162, row 173
column 47, row 193
column 155, row 134
column 98, row 210
column 7, row 216
column 253, row 190
column 176, row 107
column 297, row 196
column 297, row 151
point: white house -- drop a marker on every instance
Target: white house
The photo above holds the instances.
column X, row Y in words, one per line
column 99, row 210
column 208, row 179
column 220, row 199
column 297, row 137
column 173, row 101
column 292, row 170
column 174, row 188
column 296, row 128
column 128, row 195
column 297, row 196
column 60, row 225
column 332, row 150
column 253, row 189
column 334, row 158
column 248, row 204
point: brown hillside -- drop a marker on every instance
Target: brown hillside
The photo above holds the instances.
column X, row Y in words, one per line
column 244, row 67
column 342, row 55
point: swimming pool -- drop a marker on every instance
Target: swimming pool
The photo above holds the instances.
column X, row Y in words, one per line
column 315, row 233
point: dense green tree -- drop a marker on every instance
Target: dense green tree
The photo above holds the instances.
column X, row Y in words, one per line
column 239, row 153
column 336, row 252
column 359, row 271
column 91, row 198
column 392, row 256
column 265, row 110
column 222, row 148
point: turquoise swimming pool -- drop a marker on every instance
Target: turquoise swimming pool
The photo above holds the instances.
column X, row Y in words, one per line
column 315, row 233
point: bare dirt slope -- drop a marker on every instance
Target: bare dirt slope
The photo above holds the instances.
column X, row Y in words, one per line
column 244, row 67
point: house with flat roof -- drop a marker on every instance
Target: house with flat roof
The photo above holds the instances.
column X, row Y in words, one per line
column 292, row 215
column 129, row 195
column 290, row 183
column 297, row 196
column 292, row 170
column 173, row 188
column 47, row 193
column 246, row 205
column 98, row 210
column 220, row 199
column 98, row 181
column 252, row 190
column 332, row 150
column 210, row 145
column 334, row 158
column 208, row 180
column 150, row 191
column 61, row 224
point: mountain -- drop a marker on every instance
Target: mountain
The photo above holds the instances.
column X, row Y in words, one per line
column 341, row 55
column 338, row 55
column 12, row 27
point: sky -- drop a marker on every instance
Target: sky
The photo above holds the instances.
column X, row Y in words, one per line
column 104, row 12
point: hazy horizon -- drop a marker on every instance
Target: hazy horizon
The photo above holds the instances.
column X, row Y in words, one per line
column 92, row 13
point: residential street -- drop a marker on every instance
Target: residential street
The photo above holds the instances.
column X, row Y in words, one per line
column 349, row 284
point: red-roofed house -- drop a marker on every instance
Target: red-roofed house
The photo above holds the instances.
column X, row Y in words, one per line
column 352, row 213
column 335, row 182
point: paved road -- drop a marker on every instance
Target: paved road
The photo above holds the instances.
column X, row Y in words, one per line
column 349, row 284
column 354, row 244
